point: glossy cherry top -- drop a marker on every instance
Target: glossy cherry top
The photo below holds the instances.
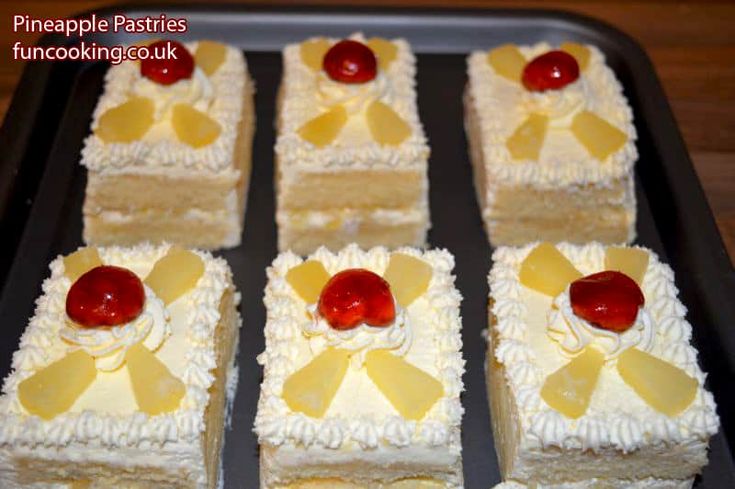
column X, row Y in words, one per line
column 550, row 71
column 350, row 61
column 170, row 70
column 609, row 300
column 105, row 296
column 356, row 296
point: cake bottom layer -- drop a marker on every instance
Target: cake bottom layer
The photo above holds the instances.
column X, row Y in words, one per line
column 151, row 467
column 193, row 228
column 410, row 483
column 651, row 467
column 304, row 231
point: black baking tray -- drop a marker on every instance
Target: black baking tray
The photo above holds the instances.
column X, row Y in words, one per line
column 42, row 188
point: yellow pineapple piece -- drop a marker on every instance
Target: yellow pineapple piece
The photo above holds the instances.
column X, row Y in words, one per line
column 408, row 277
column 597, row 135
column 85, row 484
column 155, row 389
column 384, row 50
column 631, row 261
column 409, row 389
column 209, row 56
column 175, row 274
column 507, row 61
column 324, row 128
column 526, row 141
column 385, row 125
column 311, row 389
column 127, row 122
column 313, row 51
column 666, row 388
column 194, row 127
column 579, row 51
column 80, row 262
column 54, row 389
column 308, row 280
column 546, row 270
column 569, row 389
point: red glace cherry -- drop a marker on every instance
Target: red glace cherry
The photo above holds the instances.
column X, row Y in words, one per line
column 350, row 61
column 357, row 296
column 105, row 296
column 550, row 71
column 609, row 300
column 170, row 70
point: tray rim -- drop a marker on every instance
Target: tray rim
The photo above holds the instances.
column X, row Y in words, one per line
column 703, row 250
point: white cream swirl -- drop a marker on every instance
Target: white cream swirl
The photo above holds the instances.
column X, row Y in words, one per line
column 362, row 339
column 559, row 105
column 353, row 96
column 196, row 91
column 109, row 345
column 573, row 334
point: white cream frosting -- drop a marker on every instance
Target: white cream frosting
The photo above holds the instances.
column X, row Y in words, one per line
column 572, row 333
column 362, row 339
column 109, row 345
column 94, row 420
column 306, row 94
column 617, row 417
column 359, row 416
column 220, row 96
column 503, row 105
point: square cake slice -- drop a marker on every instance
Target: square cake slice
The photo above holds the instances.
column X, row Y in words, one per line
column 169, row 159
column 552, row 160
column 124, row 374
column 351, row 155
column 591, row 375
column 365, row 395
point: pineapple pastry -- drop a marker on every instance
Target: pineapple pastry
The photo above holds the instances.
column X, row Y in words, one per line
column 169, row 156
column 592, row 378
column 351, row 155
column 362, row 371
column 552, row 145
column 124, row 373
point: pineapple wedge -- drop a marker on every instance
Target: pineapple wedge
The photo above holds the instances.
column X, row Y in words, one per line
column 175, row 274
column 209, row 56
column 313, row 51
column 127, row 122
column 308, row 280
column 324, row 128
column 507, row 61
column 597, row 135
column 408, row 277
column 409, row 389
column 631, row 261
column 54, row 389
column 194, row 127
column 80, row 262
column 155, row 389
column 311, row 389
column 569, row 389
column 385, row 125
column 384, row 50
column 578, row 51
column 525, row 143
column 547, row 271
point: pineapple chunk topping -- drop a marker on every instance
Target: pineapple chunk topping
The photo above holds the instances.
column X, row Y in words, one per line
column 323, row 129
column 507, row 61
column 666, row 388
column 385, row 125
column 194, row 127
column 597, row 135
column 308, row 280
column 569, row 389
column 547, row 271
column 209, row 56
column 155, row 389
column 409, row 389
column 127, row 122
column 384, row 50
column 54, row 389
column 313, row 51
column 175, row 274
column 526, row 141
column 80, row 262
column 311, row 389
column 408, row 277
column 579, row 51
column 631, row 261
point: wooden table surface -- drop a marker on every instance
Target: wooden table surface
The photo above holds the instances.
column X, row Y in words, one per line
column 691, row 43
